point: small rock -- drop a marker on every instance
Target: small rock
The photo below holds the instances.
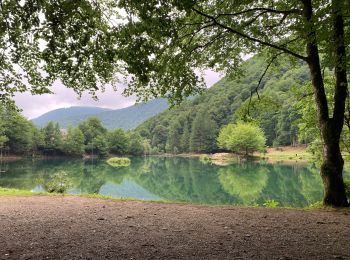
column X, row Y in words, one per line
column 101, row 218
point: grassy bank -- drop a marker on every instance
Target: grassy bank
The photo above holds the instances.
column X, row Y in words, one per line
column 17, row 192
column 272, row 155
column 287, row 153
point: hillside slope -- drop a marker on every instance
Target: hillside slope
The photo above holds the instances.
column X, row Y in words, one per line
column 125, row 118
column 185, row 128
column 58, row 114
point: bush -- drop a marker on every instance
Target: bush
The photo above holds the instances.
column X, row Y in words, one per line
column 242, row 137
column 119, row 161
column 59, row 183
column 271, row 204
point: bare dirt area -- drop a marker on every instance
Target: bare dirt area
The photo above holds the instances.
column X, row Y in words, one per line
column 68, row 227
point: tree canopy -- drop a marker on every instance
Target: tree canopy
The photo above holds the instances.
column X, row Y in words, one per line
column 44, row 41
column 242, row 137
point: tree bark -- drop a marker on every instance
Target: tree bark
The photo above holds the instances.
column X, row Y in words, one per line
column 331, row 128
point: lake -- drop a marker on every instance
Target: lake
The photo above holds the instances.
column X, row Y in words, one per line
column 174, row 179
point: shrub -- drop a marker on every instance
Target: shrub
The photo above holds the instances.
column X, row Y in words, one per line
column 58, row 183
column 242, row 137
column 271, row 204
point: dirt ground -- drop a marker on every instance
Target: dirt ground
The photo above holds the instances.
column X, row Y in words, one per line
column 68, row 227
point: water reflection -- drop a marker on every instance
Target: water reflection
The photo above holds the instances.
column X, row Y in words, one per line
column 175, row 179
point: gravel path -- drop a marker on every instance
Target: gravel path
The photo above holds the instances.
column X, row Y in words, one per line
column 68, row 227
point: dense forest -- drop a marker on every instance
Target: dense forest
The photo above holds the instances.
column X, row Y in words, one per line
column 19, row 136
column 272, row 104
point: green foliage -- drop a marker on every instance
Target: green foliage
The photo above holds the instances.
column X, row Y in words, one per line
column 159, row 133
column 19, row 136
column 241, row 137
column 52, row 138
column 271, row 204
column 136, row 145
column 118, row 141
column 119, row 161
column 91, row 128
column 98, row 146
column 73, row 142
column 203, row 133
column 262, row 111
column 16, row 131
column 51, row 40
column 182, row 36
column 309, row 130
column 173, row 144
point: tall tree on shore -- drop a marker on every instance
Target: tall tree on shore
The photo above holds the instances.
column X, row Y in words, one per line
column 173, row 38
column 52, row 138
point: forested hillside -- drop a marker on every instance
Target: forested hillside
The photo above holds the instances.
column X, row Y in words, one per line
column 125, row 118
column 194, row 125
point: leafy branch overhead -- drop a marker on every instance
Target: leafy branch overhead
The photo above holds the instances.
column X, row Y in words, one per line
column 42, row 41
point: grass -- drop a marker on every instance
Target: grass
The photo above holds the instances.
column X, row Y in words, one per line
column 119, row 161
column 17, row 192
column 286, row 154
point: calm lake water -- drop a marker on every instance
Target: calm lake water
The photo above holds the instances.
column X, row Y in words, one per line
column 174, row 179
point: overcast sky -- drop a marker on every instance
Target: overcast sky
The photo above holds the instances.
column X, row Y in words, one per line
column 34, row 106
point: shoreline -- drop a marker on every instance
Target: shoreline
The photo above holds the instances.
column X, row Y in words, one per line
column 284, row 155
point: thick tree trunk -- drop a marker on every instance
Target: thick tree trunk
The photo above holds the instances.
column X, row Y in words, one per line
column 331, row 128
column 332, row 169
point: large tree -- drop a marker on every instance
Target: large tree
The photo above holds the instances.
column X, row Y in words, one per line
column 167, row 40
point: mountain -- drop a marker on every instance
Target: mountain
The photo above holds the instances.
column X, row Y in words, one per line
column 125, row 118
column 57, row 114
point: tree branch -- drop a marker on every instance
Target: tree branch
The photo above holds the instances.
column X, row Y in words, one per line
column 266, row 10
column 264, row 43
column 261, row 78
column 202, row 46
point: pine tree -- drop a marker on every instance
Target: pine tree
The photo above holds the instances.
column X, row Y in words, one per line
column 203, row 134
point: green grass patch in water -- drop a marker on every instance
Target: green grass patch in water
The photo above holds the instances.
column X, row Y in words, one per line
column 119, row 161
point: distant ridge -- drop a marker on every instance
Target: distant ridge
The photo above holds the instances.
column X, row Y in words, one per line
column 125, row 118
column 58, row 114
